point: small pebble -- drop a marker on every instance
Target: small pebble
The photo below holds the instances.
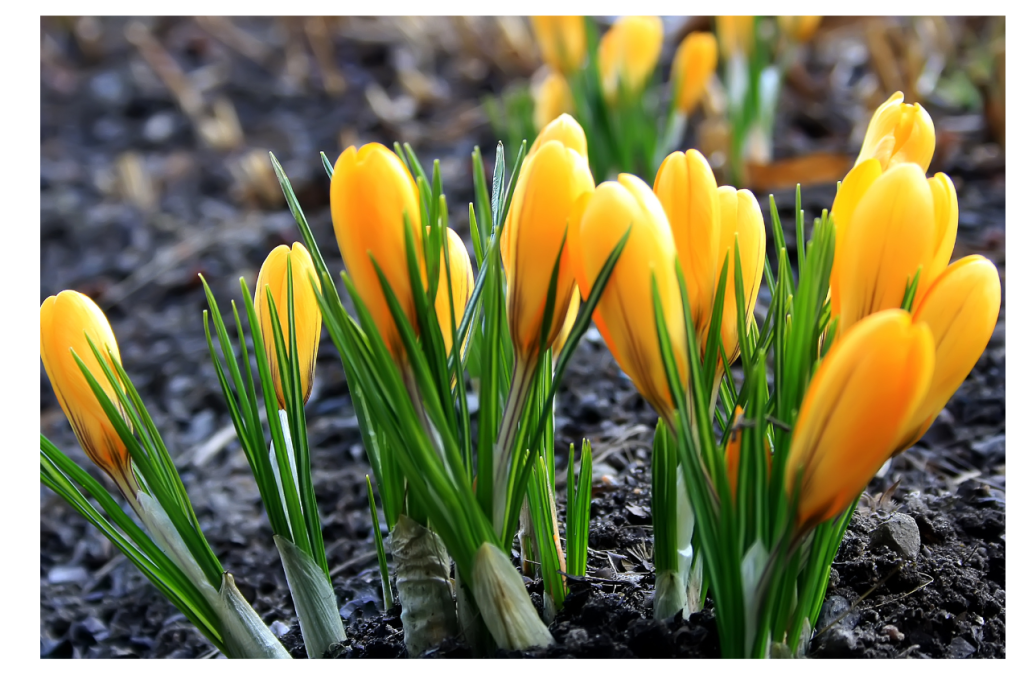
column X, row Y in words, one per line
column 900, row 533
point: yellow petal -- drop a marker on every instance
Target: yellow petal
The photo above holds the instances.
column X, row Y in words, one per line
column 462, row 288
column 550, row 182
column 736, row 35
column 627, row 55
column 274, row 276
column 372, row 192
column 693, row 65
column 899, row 133
column 688, row 192
column 856, row 407
column 623, row 316
column 741, row 219
column 563, row 42
column 851, row 191
column 799, row 29
column 961, row 309
column 947, row 215
column 66, row 321
column 891, row 234
column 551, row 99
column 564, row 129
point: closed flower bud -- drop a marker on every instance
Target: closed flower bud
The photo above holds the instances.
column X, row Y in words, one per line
column 462, row 288
column 741, row 219
column 899, row 133
column 372, row 194
column 692, row 66
column 625, row 313
column 551, row 98
column 65, row 323
column 566, row 130
column 563, row 42
column 736, row 35
column 799, row 29
column 274, row 275
column 902, row 222
column 961, row 309
column 857, row 406
column 551, row 180
column 687, row 190
column 627, row 55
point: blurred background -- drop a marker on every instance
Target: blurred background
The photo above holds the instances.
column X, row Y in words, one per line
column 155, row 135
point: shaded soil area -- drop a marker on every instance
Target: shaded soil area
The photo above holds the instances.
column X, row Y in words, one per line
column 137, row 201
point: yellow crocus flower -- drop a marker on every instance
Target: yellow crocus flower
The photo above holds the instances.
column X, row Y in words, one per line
column 961, row 309
column 551, row 99
column 901, row 223
column 65, row 323
column 563, row 42
column 736, row 35
column 857, row 405
column 551, row 180
column 741, row 219
column 687, row 190
column 462, row 288
column 274, row 275
column 372, row 194
column 566, row 130
column 899, row 133
column 692, row 66
column 627, row 55
column 799, row 29
column 625, row 313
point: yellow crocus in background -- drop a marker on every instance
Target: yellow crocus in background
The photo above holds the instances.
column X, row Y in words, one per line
column 692, row 66
column 274, row 275
column 735, row 35
column 856, row 407
column 899, row 133
column 551, row 180
column 625, row 313
column 627, row 55
column 563, row 42
column 961, row 309
column 372, row 194
column 462, row 288
column 902, row 222
column 741, row 219
column 566, row 130
column 799, row 29
column 65, row 323
column 687, row 190
column 551, row 98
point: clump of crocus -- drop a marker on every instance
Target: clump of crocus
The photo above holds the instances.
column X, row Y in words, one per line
column 876, row 375
column 372, row 196
column 274, row 277
column 687, row 190
column 563, row 42
column 627, row 55
column 551, row 98
column 628, row 327
column 693, row 65
column 66, row 323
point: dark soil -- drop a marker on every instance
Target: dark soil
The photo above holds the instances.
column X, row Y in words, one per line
column 108, row 120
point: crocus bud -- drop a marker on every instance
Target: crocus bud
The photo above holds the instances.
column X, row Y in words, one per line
column 736, row 35
column 688, row 192
column 462, row 288
column 741, row 219
column 65, row 323
column 625, row 313
column 961, row 309
column 274, row 275
column 372, row 195
column 551, row 98
column 692, row 66
column 799, row 29
column 551, row 180
column 899, row 133
column 564, row 129
column 570, row 320
column 902, row 222
column 857, row 406
column 563, row 42
column 627, row 54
